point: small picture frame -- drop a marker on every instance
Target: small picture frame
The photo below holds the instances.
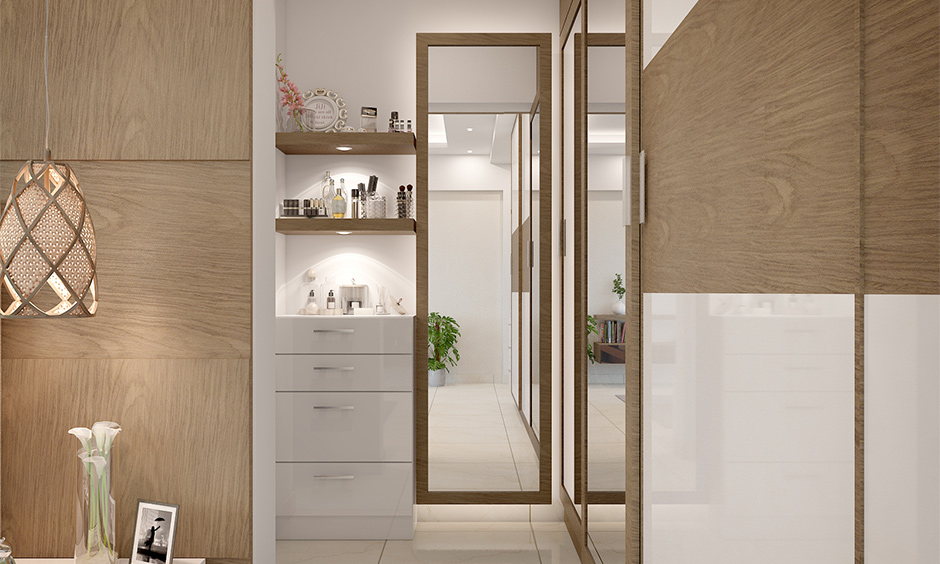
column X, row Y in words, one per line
column 154, row 533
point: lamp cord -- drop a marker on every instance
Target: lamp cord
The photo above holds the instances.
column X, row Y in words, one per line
column 45, row 65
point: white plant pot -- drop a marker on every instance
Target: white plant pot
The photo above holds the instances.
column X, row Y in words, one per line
column 619, row 308
column 436, row 377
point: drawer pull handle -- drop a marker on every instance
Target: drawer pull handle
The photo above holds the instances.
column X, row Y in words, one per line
column 336, row 407
column 334, row 477
column 347, row 331
column 331, row 368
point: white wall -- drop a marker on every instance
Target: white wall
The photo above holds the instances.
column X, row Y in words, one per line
column 465, row 256
column 265, row 14
column 365, row 51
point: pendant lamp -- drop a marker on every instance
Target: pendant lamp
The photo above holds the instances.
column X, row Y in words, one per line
column 47, row 241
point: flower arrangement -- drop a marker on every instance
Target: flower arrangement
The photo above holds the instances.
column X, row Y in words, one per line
column 95, row 535
column 290, row 94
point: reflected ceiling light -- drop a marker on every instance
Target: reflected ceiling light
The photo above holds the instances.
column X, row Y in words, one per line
column 344, row 148
column 47, row 241
column 343, row 232
column 469, row 151
column 469, row 129
column 437, row 133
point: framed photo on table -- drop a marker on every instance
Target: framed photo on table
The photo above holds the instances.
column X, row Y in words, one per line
column 154, row 533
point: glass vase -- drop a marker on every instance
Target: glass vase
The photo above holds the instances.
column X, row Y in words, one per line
column 94, row 523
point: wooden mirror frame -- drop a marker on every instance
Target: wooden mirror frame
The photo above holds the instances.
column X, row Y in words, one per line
column 543, row 44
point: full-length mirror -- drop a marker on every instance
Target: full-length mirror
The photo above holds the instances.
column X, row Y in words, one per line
column 483, row 420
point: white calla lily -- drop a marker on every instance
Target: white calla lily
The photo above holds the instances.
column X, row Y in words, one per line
column 84, row 435
column 97, row 461
column 104, row 432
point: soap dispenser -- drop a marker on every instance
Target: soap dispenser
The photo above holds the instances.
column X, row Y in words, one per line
column 311, row 308
column 331, row 301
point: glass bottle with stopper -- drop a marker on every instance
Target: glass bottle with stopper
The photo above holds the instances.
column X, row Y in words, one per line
column 339, row 201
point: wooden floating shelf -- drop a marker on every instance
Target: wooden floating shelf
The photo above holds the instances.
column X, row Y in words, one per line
column 611, row 353
column 359, row 143
column 305, row 226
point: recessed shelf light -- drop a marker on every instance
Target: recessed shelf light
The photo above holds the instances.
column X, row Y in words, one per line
column 343, row 232
column 469, row 151
column 469, row 129
column 344, row 148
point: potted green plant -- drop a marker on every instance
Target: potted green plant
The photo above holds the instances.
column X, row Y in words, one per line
column 442, row 350
column 619, row 307
column 591, row 330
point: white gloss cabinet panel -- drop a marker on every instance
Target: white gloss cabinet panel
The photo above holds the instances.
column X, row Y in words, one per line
column 344, row 334
column 344, row 500
column 352, row 373
column 344, row 427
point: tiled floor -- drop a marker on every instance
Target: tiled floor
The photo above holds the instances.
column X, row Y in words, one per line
column 444, row 543
column 606, row 437
column 478, row 441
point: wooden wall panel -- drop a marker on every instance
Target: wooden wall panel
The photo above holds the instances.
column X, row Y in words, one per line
column 902, row 147
column 128, row 79
column 186, row 440
column 174, row 257
column 752, row 138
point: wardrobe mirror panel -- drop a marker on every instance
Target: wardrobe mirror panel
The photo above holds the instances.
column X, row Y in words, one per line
column 483, row 422
column 605, row 288
column 573, row 315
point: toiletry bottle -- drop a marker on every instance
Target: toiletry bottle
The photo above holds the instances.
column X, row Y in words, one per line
column 331, row 301
column 339, row 201
column 400, row 202
column 311, row 308
column 409, row 127
column 354, row 204
column 362, row 201
column 410, row 202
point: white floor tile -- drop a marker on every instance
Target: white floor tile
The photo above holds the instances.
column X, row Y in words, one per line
column 473, row 477
column 491, row 547
column 556, row 547
column 328, row 552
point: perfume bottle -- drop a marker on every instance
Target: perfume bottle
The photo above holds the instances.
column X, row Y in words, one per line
column 331, row 301
column 328, row 192
column 311, row 308
column 410, row 202
column 339, row 200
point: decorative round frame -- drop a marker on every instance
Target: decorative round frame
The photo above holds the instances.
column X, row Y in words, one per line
column 325, row 111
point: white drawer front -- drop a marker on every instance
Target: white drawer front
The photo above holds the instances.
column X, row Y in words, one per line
column 344, row 373
column 344, row 489
column 344, row 427
column 344, row 334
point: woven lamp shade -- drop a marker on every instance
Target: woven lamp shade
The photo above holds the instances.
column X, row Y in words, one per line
column 47, row 246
